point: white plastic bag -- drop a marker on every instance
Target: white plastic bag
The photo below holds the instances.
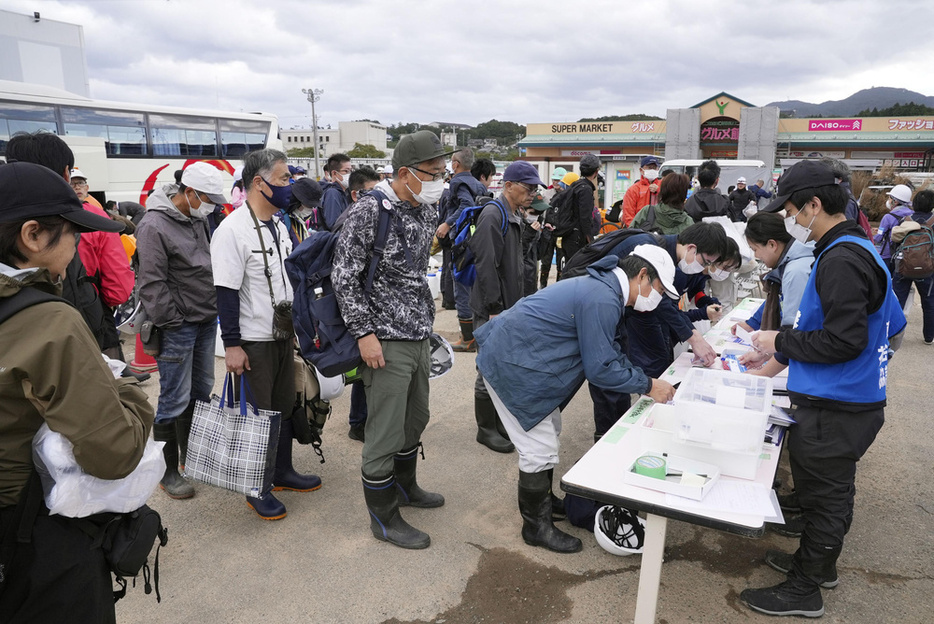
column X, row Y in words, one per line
column 71, row 492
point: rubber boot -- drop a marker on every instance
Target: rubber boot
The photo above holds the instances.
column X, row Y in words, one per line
column 380, row 494
column 557, row 504
column 268, row 507
column 781, row 561
column 538, row 529
column 467, row 343
column 285, row 477
column 182, row 431
column 172, row 482
column 487, row 433
column 410, row 494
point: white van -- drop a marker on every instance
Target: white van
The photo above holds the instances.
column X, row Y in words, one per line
column 730, row 171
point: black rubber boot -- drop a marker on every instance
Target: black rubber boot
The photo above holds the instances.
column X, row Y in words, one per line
column 410, row 494
column 487, row 433
column 538, row 528
column 778, row 560
column 467, row 343
column 380, row 494
column 182, row 431
column 557, row 504
column 285, row 477
column 793, row 597
column 172, row 482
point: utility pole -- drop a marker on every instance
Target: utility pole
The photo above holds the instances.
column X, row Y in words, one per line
column 313, row 96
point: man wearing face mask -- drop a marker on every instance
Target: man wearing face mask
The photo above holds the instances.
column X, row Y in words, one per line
column 837, row 354
column 336, row 194
column 537, row 354
column 392, row 324
column 497, row 247
column 644, row 192
column 254, row 296
column 176, row 289
column 304, row 208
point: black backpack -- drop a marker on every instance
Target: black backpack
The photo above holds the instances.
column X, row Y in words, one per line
column 578, row 263
column 562, row 213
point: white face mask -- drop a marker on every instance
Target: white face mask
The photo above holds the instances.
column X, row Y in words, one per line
column 798, row 232
column 647, row 304
column 431, row 191
column 889, row 204
column 719, row 275
column 650, row 174
column 345, row 180
column 202, row 211
column 691, row 268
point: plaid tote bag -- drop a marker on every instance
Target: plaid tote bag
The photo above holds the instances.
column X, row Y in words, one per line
column 233, row 444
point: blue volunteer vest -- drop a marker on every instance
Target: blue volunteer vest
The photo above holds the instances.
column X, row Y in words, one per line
column 863, row 379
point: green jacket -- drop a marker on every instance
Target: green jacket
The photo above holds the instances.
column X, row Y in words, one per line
column 668, row 220
column 51, row 371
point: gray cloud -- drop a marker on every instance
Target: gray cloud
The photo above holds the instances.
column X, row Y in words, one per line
column 522, row 60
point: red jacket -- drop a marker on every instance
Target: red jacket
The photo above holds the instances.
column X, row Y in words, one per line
column 638, row 197
column 106, row 263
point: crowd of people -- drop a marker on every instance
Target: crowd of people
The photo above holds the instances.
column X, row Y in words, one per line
column 612, row 318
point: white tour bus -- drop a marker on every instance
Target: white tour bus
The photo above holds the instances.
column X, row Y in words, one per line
column 126, row 150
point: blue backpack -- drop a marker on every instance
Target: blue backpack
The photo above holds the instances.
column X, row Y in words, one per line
column 462, row 256
column 322, row 335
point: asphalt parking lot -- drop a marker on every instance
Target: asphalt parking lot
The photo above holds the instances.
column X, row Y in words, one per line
column 321, row 564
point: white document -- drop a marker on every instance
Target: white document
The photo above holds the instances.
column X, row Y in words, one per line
column 743, row 335
column 746, row 498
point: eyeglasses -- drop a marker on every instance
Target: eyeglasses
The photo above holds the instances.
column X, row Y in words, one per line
column 529, row 190
column 78, row 184
column 434, row 176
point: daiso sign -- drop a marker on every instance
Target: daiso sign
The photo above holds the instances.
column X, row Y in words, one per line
column 818, row 125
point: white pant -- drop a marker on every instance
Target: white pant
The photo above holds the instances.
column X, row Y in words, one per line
column 538, row 447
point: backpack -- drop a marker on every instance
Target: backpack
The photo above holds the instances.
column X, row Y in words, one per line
column 648, row 224
column 462, row 256
column 322, row 335
column 563, row 216
column 578, row 263
column 914, row 256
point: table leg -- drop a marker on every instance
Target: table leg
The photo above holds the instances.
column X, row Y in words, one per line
column 651, row 572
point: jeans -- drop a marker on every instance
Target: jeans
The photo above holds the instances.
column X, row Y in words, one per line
column 462, row 301
column 902, row 286
column 186, row 368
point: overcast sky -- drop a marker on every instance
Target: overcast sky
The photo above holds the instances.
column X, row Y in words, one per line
column 475, row 60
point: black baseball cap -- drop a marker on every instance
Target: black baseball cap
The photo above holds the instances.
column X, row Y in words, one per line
column 418, row 147
column 806, row 174
column 28, row 191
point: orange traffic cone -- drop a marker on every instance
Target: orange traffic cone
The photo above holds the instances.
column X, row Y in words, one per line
column 142, row 363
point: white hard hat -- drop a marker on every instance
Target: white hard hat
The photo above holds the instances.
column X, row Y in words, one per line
column 442, row 356
column 329, row 388
column 76, row 173
column 900, row 193
column 619, row 531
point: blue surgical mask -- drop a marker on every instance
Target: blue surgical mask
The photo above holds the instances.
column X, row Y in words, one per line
column 281, row 195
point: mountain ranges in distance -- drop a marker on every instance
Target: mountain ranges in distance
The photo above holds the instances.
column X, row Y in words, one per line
column 876, row 97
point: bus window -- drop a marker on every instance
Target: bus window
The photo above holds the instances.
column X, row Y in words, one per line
column 178, row 135
column 124, row 133
column 239, row 137
column 24, row 118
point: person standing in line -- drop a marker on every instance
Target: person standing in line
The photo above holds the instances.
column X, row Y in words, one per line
column 644, row 191
column 248, row 252
column 336, row 197
column 837, row 353
column 392, row 324
column 497, row 247
column 922, row 204
column 580, row 203
column 176, row 290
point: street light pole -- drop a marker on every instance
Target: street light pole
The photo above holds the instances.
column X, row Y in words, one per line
column 313, row 96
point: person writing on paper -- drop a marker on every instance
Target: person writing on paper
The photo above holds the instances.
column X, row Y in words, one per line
column 790, row 263
column 536, row 355
column 838, row 366
column 52, row 372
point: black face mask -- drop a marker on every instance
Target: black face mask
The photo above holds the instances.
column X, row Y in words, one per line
column 281, row 195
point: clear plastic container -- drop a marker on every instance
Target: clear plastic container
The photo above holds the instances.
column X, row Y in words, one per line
column 723, row 410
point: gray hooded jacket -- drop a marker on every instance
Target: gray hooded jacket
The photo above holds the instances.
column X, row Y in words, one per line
column 176, row 283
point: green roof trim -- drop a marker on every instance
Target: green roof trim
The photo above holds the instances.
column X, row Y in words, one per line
column 723, row 93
